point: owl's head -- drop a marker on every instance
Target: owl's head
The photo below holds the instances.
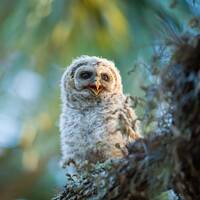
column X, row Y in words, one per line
column 91, row 77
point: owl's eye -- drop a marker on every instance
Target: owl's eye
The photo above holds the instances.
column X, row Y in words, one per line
column 85, row 75
column 105, row 77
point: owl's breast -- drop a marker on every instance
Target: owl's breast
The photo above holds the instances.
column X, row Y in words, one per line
column 84, row 128
column 96, row 126
column 91, row 135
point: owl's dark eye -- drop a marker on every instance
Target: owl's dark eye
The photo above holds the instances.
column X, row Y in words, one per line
column 85, row 75
column 105, row 77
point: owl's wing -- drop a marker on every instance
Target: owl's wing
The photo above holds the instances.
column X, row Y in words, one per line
column 129, row 123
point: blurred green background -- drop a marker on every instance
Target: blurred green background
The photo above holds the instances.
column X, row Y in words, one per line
column 38, row 39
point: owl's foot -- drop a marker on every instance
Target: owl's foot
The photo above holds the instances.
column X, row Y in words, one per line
column 67, row 162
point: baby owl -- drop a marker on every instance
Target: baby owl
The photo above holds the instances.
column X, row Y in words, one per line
column 97, row 121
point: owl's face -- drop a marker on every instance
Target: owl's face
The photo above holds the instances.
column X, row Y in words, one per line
column 96, row 79
column 92, row 77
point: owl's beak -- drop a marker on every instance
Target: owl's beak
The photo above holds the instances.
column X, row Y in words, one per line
column 96, row 88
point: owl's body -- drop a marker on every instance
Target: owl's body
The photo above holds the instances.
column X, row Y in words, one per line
column 95, row 126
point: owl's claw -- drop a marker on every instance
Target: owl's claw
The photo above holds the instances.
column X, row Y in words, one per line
column 71, row 169
column 71, row 162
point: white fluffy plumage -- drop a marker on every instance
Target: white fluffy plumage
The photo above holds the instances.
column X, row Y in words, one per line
column 97, row 121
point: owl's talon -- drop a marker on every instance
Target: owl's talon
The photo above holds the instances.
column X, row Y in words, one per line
column 71, row 162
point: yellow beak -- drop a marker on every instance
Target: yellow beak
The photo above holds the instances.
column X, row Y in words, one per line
column 96, row 88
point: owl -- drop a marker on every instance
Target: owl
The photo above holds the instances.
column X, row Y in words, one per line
column 97, row 121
